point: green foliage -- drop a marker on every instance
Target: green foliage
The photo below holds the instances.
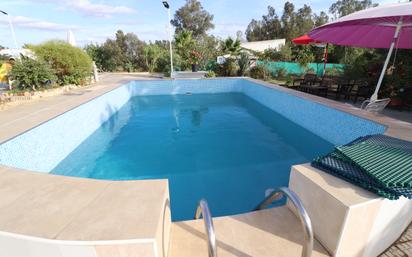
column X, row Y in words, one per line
column 184, row 45
column 230, row 46
column 230, row 67
column 335, row 72
column 152, row 53
column 208, row 47
column 210, row 74
column 280, row 73
column 369, row 62
column 345, row 7
column 33, row 74
column 243, row 62
column 194, row 18
column 71, row 64
column 304, row 56
column 259, row 72
column 125, row 53
column 291, row 23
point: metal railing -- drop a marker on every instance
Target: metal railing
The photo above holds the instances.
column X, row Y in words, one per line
column 300, row 211
column 203, row 210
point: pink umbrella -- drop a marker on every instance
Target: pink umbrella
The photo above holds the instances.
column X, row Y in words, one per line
column 386, row 26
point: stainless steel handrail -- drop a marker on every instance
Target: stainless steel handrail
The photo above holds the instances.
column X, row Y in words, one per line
column 301, row 213
column 203, row 210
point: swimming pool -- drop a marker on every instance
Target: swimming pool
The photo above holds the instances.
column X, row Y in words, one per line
column 226, row 140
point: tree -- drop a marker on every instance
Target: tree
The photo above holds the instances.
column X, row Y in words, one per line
column 254, row 31
column 239, row 36
column 271, row 26
column 230, row 46
column 193, row 17
column 243, row 62
column 268, row 28
column 208, row 46
column 320, row 19
column 303, row 22
column 71, row 64
column 184, row 44
column 288, row 20
column 304, row 56
column 125, row 52
column 152, row 53
column 345, row 7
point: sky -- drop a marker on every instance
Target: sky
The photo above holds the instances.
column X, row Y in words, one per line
column 93, row 21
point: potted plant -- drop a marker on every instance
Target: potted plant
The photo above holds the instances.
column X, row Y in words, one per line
column 194, row 60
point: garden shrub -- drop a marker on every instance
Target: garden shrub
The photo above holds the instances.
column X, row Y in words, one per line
column 230, row 67
column 259, row 72
column 33, row 74
column 281, row 73
column 71, row 64
column 210, row 74
column 243, row 62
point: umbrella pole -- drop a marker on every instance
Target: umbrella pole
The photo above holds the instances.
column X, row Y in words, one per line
column 374, row 97
column 325, row 59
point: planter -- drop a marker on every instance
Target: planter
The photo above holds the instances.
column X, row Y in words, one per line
column 195, row 67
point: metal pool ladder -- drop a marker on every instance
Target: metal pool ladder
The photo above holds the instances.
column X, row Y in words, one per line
column 300, row 212
column 203, row 210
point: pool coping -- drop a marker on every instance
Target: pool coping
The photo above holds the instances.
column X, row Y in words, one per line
column 64, row 104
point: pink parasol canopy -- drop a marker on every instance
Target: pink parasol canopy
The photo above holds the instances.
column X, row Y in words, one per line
column 386, row 26
column 370, row 28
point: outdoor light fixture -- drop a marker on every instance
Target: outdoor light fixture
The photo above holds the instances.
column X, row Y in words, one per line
column 166, row 5
column 11, row 28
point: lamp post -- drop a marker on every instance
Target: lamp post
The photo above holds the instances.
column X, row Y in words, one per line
column 166, row 5
column 11, row 28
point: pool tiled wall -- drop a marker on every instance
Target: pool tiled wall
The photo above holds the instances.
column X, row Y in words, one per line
column 332, row 125
column 43, row 147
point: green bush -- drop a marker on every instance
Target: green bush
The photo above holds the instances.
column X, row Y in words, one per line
column 229, row 67
column 71, row 64
column 281, row 73
column 259, row 72
column 33, row 74
column 210, row 74
column 243, row 62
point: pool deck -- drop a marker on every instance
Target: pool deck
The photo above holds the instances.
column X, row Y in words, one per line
column 66, row 208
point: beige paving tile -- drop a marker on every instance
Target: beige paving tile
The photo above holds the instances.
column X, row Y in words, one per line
column 140, row 250
column 274, row 232
column 41, row 204
column 125, row 210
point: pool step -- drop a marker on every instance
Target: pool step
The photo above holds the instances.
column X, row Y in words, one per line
column 273, row 232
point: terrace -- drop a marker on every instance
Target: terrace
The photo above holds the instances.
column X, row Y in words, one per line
column 267, row 144
column 125, row 216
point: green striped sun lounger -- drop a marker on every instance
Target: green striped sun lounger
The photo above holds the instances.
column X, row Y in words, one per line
column 380, row 164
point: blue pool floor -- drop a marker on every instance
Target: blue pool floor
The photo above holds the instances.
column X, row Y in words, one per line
column 226, row 148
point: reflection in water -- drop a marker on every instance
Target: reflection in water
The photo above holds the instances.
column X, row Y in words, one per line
column 197, row 115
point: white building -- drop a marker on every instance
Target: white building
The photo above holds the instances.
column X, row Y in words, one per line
column 260, row 46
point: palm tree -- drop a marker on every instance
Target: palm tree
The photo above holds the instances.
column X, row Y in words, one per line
column 230, row 46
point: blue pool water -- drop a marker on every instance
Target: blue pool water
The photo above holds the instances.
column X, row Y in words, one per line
column 226, row 148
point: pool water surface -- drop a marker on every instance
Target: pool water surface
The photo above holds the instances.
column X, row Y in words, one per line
column 226, row 148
